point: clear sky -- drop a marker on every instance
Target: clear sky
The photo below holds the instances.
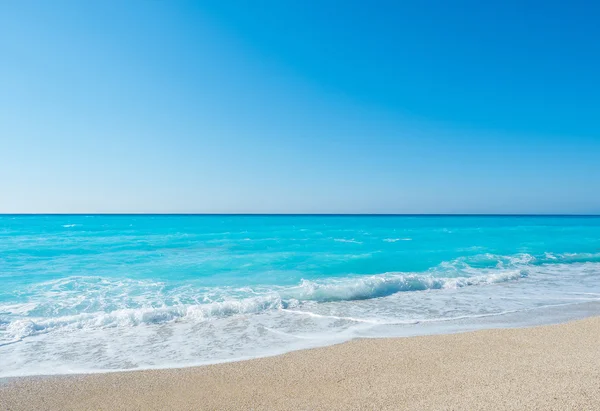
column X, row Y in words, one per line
column 300, row 106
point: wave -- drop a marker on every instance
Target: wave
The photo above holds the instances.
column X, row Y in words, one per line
column 383, row 285
column 345, row 240
column 100, row 302
column 27, row 327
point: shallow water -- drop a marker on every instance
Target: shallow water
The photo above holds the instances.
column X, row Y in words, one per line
column 99, row 293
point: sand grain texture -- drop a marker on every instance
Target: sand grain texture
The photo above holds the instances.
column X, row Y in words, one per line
column 543, row 368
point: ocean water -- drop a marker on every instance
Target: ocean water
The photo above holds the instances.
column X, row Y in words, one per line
column 103, row 293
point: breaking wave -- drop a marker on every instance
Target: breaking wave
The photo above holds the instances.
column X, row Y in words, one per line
column 97, row 302
column 92, row 302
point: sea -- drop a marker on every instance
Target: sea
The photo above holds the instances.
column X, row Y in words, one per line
column 99, row 293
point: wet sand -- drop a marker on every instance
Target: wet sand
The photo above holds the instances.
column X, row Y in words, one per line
column 554, row 367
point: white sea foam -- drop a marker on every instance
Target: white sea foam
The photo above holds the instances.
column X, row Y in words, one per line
column 82, row 324
column 346, row 240
column 382, row 285
column 130, row 317
column 140, row 303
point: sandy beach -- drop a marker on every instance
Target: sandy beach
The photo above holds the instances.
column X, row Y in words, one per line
column 549, row 367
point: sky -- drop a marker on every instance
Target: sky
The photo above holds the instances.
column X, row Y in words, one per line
column 299, row 106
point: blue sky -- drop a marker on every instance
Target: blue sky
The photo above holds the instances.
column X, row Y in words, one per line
column 300, row 106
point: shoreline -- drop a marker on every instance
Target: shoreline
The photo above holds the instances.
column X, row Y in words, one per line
column 544, row 316
column 549, row 366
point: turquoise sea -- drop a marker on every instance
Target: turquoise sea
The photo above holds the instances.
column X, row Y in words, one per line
column 89, row 293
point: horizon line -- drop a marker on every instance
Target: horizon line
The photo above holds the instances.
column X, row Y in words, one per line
column 316, row 214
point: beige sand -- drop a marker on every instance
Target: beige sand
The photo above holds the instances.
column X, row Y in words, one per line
column 554, row 367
